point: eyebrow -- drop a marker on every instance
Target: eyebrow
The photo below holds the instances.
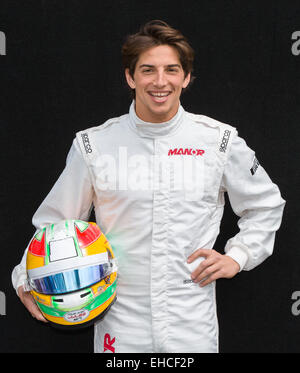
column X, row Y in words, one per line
column 172, row 65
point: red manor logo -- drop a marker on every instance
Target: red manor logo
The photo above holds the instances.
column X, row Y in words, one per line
column 186, row 151
column 108, row 343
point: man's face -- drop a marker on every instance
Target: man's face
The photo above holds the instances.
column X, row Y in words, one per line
column 158, row 81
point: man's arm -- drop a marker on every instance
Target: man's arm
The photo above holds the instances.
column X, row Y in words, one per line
column 258, row 203
column 70, row 198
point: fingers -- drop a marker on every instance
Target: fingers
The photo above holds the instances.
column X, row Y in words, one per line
column 36, row 313
column 209, row 270
column 213, row 277
column 29, row 303
column 211, row 256
column 215, row 266
column 200, row 252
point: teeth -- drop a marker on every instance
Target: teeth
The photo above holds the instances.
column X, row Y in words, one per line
column 159, row 94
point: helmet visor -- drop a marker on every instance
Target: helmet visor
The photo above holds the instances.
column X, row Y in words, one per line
column 72, row 280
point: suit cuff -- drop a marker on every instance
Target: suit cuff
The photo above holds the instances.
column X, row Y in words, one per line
column 239, row 255
column 19, row 278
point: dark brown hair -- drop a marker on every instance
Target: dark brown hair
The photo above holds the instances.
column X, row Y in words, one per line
column 152, row 34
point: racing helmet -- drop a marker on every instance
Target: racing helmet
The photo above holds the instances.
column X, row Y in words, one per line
column 71, row 273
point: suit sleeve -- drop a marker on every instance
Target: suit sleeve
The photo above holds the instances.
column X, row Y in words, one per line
column 258, row 203
column 70, row 198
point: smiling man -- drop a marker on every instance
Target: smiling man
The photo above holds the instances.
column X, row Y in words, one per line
column 163, row 236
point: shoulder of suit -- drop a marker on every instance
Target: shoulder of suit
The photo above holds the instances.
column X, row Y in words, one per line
column 112, row 122
column 209, row 122
column 87, row 139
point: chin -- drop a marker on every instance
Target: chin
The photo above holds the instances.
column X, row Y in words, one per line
column 164, row 110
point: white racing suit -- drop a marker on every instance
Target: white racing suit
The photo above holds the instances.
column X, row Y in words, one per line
column 158, row 194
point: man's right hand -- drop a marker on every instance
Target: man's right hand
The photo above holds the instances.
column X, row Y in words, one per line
column 29, row 302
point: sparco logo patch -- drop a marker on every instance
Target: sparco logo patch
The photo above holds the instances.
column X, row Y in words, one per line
column 186, row 151
column 224, row 141
column 86, row 143
column 254, row 166
column 108, row 343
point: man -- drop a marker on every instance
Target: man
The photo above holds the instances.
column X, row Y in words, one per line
column 156, row 178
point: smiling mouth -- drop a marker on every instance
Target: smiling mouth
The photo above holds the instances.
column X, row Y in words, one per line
column 159, row 97
column 159, row 94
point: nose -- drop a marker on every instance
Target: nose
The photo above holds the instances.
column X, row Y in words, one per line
column 160, row 79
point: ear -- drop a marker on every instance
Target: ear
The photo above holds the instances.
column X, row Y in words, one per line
column 129, row 79
column 186, row 80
